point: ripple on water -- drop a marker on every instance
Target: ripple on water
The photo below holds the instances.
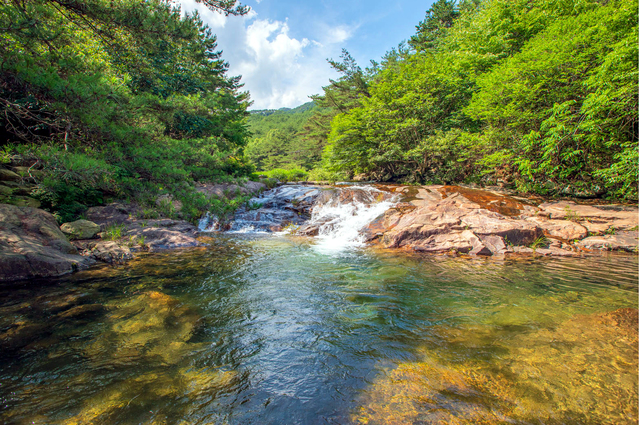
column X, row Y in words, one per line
column 267, row 330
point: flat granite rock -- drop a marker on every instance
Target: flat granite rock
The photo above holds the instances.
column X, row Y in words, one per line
column 32, row 245
column 621, row 241
column 481, row 222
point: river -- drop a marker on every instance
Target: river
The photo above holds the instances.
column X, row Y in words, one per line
column 276, row 329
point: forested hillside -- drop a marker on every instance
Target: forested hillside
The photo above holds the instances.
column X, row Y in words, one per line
column 113, row 99
column 279, row 140
column 541, row 95
column 116, row 98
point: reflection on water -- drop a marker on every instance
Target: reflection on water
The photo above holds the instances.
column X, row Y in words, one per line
column 267, row 330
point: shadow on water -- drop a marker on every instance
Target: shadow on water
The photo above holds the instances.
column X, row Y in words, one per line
column 269, row 330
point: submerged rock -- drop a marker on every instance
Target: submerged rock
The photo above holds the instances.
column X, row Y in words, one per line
column 32, row 245
column 584, row 370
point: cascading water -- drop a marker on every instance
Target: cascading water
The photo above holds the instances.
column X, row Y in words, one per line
column 336, row 215
column 341, row 216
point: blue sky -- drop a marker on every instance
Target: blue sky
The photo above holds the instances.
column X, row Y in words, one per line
column 280, row 48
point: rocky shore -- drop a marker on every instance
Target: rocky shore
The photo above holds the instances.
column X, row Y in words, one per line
column 32, row 245
column 480, row 222
column 429, row 219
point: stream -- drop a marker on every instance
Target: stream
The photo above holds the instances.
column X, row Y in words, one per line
column 263, row 327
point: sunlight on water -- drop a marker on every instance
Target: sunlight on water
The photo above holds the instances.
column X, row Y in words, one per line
column 343, row 219
column 269, row 330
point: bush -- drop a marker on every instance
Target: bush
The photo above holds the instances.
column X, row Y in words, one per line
column 320, row 174
column 295, row 174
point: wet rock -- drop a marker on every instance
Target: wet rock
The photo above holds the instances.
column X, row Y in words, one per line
column 110, row 252
column 80, row 229
column 274, row 210
column 556, row 252
column 622, row 241
column 495, row 244
column 521, row 249
column 82, row 311
column 461, row 242
column 32, row 245
column 156, row 238
column 308, row 230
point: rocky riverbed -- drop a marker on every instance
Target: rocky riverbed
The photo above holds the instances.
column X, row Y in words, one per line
column 427, row 219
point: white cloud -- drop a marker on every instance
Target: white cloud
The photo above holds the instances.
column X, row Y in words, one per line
column 277, row 69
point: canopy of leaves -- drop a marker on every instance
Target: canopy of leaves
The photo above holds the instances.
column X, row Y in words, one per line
column 277, row 141
column 136, row 86
column 541, row 94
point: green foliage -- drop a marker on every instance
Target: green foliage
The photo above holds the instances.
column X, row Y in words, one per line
column 113, row 232
column 278, row 140
column 321, row 174
column 540, row 242
column 118, row 97
column 252, row 205
column 295, row 174
column 541, row 94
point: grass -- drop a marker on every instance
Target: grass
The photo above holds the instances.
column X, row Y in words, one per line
column 571, row 214
column 113, row 232
column 254, row 205
column 540, row 242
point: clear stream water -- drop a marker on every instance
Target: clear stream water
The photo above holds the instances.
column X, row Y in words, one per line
column 267, row 329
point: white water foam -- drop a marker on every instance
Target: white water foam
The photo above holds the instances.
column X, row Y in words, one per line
column 343, row 221
column 208, row 223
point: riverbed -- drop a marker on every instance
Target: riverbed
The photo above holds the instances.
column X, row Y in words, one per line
column 276, row 329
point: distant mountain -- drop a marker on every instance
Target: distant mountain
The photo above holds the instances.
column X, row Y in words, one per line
column 298, row 109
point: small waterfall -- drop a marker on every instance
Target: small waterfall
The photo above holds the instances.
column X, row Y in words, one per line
column 209, row 223
column 341, row 215
column 336, row 215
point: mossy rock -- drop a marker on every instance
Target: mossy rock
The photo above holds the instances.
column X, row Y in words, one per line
column 8, row 175
column 80, row 229
column 23, row 201
column 23, row 190
column 5, row 190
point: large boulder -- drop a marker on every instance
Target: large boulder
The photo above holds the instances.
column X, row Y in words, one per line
column 450, row 218
column 80, row 229
column 32, row 245
column 181, row 235
column 560, row 229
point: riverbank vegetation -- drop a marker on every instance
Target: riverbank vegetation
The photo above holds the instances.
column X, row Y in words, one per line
column 117, row 99
column 121, row 99
column 538, row 95
column 543, row 95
